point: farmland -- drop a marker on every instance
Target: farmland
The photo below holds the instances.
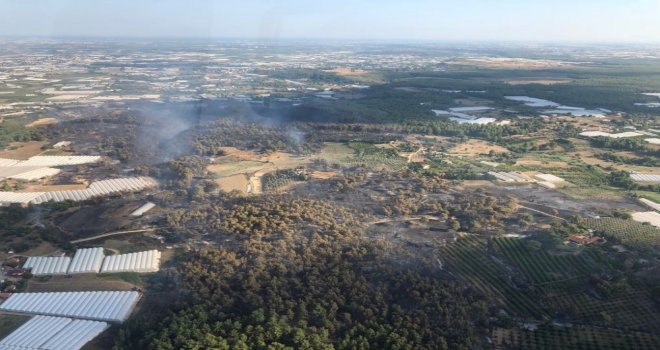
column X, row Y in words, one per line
column 308, row 194
column 574, row 338
column 629, row 233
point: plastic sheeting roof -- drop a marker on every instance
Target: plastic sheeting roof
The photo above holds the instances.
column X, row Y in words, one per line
column 98, row 306
column 49, row 332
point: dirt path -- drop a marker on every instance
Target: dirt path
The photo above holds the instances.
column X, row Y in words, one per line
column 542, row 213
column 405, row 218
column 109, row 234
column 255, row 182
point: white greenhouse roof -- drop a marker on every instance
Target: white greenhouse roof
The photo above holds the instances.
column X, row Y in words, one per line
column 147, row 261
column 18, row 197
column 510, row 176
column 645, row 177
column 44, row 265
column 87, row 260
column 59, row 160
column 7, row 162
column 35, row 332
column 651, row 204
column 48, row 332
column 143, row 209
column 607, row 134
column 98, row 188
column 99, row 306
column 35, row 174
column 651, row 217
column 75, row 335
column 548, row 178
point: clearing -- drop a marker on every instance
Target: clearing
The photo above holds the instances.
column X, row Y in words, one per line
column 540, row 81
column 334, row 152
column 83, row 282
column 476, row 147
column 238, row 182
column 41, row 122
column 23, row 150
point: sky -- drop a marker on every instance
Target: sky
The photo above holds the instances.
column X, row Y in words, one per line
column 615, row 21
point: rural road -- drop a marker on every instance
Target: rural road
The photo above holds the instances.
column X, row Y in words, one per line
column 111, row 234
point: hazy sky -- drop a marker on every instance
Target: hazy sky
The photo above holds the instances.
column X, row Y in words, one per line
column 506, row 20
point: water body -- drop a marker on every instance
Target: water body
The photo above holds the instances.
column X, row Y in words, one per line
column 558, row 109
column 650, row 104
column 532, row 101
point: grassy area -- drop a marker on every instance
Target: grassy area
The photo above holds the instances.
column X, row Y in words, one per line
column 630, row 233
column 468, row 257
column 574, row 338
column 83, row 282
column 654, row 196
column 586, row 193
column 240, row 167
column 130, row 277
column 334, row 152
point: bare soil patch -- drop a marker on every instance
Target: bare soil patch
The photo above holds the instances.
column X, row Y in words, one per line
column 476, row 147
column 550, row 81
column 323, row 175
column 85, row 282
column 542, row 163
column 42, row 122
column 48, row 188
column 23, row 150
column 245, row 155
column 348, row 71
column 238, row 182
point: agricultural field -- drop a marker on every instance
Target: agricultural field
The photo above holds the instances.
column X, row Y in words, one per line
column 629, row 233
column 373, row 157
column 319, row 200
column 474, row 148
column 238, row 182
column 573, row 338
column 23, row 150
column 468, row 257
column 240, row 167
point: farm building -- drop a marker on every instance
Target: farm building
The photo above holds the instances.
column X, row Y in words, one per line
column 15, row 272
column 607, row 134
column 654, row 178
column 12, row 262
column 62, row 144
column 651, row 217
column 547, row 184
column 86, row 260
column 36, row 174
column 98, row 188
column 4, row 162
column 47, row 161
column 651, row 204
column 44, row 265
column 26, row 173
column 7, row 198
column 48, row 332
column 549, row 178
column 510, row 176
column 584, row 240
column 147, row 261
column 98, row 306
column 143, row 209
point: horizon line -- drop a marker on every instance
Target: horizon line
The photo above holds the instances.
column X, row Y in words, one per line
column 400, row 41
